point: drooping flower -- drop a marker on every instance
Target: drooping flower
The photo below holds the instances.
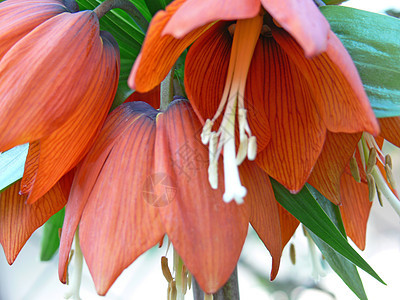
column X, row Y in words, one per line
column 58, row 80
column 146, row 176
column 350, row 174
column 284, row 76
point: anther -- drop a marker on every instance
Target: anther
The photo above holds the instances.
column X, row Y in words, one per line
column 388, row 161
column 371, row 187
column 378, row 192
column 371, row 160
column 390, row 177
column 292, row 254
column 165, row 269
column 355, row 172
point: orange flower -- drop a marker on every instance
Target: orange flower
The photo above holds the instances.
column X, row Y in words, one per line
column 146, row 176
column 58, row 81
column 334, row 176
column 284, row 75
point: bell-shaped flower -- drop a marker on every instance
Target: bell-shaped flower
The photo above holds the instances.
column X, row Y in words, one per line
column 57, row 83
column 270, row 75
column 146, row 176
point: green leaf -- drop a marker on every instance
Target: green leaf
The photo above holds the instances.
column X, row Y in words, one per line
column 155, row 5
column 12, row 163
column 333, row 2
column 306, row 209
column 128, row 36
column 373, row 41
column 343, row 267
column 51, row 239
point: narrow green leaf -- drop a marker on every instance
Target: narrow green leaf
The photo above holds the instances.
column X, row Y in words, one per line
column 12, row 164
column 51, row 239
column 155, row 5
column 333, row 2
column 306, row 209
column 343, row 267
column 373, row 41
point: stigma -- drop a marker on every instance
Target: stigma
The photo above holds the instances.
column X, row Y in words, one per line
column 245, row 36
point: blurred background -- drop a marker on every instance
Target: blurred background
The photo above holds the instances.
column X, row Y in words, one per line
column 29, row 278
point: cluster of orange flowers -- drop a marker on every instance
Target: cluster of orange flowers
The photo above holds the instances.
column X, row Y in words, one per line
column 271, row 91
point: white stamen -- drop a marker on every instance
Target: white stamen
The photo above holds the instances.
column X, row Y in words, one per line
column 252, row 149
column 75, row 284
column 213, row 174
column 233, row 187
column 205, row 134
column 383, row 187
column 242, row 151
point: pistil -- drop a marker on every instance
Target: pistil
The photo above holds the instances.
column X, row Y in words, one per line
column 245, row 37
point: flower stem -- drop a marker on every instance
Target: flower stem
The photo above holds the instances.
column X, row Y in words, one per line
column 228, row 292
column 167, row 90
column 126, row 6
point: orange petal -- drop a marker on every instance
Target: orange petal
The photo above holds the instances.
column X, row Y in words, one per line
column 18, row 18
column 206, row 67
column 37, row 94
column 355, row 208
column 205, row 75
column 194, row 14
column 206, row 232
column 151, row 97
column 303, row 20
column 335, row 156
column 116, row 208
column 335, row 85
column 297, row 132
column 19, row 220
column 66, row 146
column 159, row 53
column 264, row 213
column 390, row 130
column 288, row 223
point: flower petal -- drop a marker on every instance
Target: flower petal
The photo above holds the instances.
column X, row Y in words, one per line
column 38, row 95
column 303, row 20
column 206, row 68
column 18, row 18
column 390, row 130
column 297, row 132
column 205, row 75
column 19, row 220
column 120, row 209
column 66, row 146
column 196, row 13
column 355, row 208
column 336, row 86
column 115, row 126
column 264, row 213
column 151, row 97
column 159, row 53
column 206, row 232
column 335, row 155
